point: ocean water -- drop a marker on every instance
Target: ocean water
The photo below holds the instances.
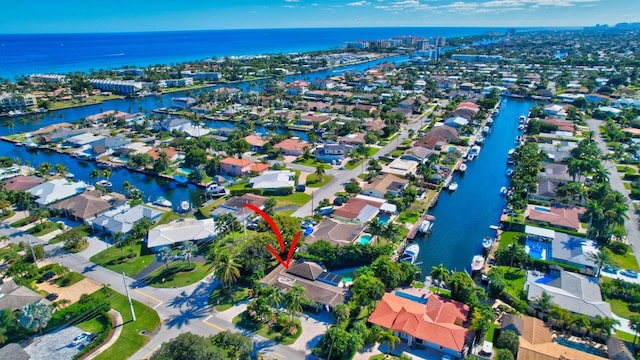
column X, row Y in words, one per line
column 62, row 53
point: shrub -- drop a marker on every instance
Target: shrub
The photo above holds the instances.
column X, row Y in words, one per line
column 618, row 247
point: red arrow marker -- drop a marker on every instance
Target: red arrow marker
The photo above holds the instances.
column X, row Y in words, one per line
column 276, row 231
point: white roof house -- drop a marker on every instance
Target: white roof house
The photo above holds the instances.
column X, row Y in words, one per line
column 400, row 167
column 180, row 231
column 122, row 219
column 55, row 190
column 456, row 121
column 273, row 179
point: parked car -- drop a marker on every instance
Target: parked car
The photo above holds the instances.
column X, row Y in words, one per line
column 80, row 339
column 629, row 273
column 180, row 256
column 610, row 269
column 301, row 187
column 51, row 297
column 48, row 275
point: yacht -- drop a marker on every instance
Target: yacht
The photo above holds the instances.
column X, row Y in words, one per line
column 462, row 168
column 509, row 172
column 480, row 139
column 522, row 119
column 503, row 191
column 425, row 226
column 160, row 201
column 453, row 186
column 475, row 151
column 487, row 242
column 521, row 127
column 30, row 145
column 184, row 206
column 511, row 152
column 410, row 253
column 485, row 130
column 477, row 263
column 215, row 190
column 489, row 121
column 104, row 183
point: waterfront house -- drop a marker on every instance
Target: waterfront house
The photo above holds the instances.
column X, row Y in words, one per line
column 442, row 133
column 546, row 244
column 273, row 180
column 81, row 140
column 456, row 121
column 257, row 142
column 20, row 183
column 55, row 190
column 177, row 232
column 386, row 184
column 420, row 153
column 557, row 150
column 401, row 167
column 567, row 217
column 87, row 205
column 236, row 206
column 536, row 340
column 173, row 124
column 107, row 145
column 321, row 286
column 362, row 209
column 292, row 146
column 59, row 135
column 182, row 103
column 114, row 115
column 555, row 109
column 312, row 119
column 427, row 321
column 172, row 154
column 122, row 219
column 335, row 231
column 332, row 153
column 575, row 292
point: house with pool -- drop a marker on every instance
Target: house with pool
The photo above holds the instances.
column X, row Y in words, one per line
column 426, row 321
column 547, row 244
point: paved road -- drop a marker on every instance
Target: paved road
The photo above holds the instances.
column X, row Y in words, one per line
column 631, row 225
column 340, row 177
column 181, row 310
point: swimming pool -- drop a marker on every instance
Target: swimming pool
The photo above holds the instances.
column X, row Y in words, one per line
column 364, row 239
column 542, row 209
column 384, row 219
column 578, row 346
column 451, row 148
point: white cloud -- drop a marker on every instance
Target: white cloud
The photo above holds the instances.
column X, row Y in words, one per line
column 358, row 3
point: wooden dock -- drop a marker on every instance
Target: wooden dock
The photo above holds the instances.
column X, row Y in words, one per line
column 414, row 231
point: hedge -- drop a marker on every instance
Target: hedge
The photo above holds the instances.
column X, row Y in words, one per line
column 235, row 192
column 631, row 176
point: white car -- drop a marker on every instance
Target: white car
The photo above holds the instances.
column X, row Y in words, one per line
column 79, row 339
column 180, row 256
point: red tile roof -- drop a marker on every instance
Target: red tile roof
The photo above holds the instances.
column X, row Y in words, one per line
column 254, row 140
column 155, row 154
column 437, row 322
column 352, row 208
column 236, row 162
column 567, row 217
column 291, row 145
column 259, row 168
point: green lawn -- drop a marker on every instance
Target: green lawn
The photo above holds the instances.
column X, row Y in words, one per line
column 372, row 151
column 625, row 336
column 491, row 332
column 116, row 259
column 95, row 325
column 621, row 308
column 238, row 186
column 23, row 222
column 69, row 279
column 8, row 214
column 350, row 166
column 409, row 216
column 168, row 217
column 223, row 300
column 85, row 229
column 205, row 211
column 312, row 180
column 515, row 279
column 265, row 330
column 312, row 162
column 130, row 340
column 178, row 274
column 9, row 249
column 294, row 199
column 43, row 229
column 509, row 237
column 626, row 261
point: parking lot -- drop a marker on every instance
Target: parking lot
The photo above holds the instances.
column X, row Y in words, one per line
column 55, row 346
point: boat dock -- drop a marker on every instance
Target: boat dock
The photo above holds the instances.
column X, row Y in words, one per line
column 414, row 230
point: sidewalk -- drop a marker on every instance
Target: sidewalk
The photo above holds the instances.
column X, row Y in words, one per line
column 112, row 337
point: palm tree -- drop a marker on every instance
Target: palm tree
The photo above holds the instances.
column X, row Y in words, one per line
column 319, row 172
column 392, row 231
column 375, row 228
column 543, row 303
column 106, row 173
column 118, row 240
column 61, row 169
column 604, row 324
column 44, row 168
column 341, row 313
column 188, row 248
column 164, row 255
column 561, row 316
column 634, row 324
column 126, row 187
column 35, row 316
column 389, row 337
column 95, row 173
column 600, row 259
column 441, row 274
column 227, row 269
column 293, row 300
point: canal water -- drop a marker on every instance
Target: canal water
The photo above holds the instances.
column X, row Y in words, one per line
column 463, row 217
column 151, row 186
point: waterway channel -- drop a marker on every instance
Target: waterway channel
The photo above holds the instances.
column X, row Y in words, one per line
column 151, row 186
column 463, row 217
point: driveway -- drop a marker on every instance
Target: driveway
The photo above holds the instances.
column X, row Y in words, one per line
column 55, row 345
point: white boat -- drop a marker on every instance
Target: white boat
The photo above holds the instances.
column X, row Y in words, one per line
column 410, row 253
column 215, row 190
column 425, row 226
column 184, row 206
column 69, row 175
column 453, row 186
column 503, row 191
column 477, row 263
column 160, row 201
column 104, row 183
column 475, row 150
column 30, row 145
column 480, row 139
column 522, row 118
column 462, row 168
column 485, row 129
column 521, row 127
column 489, row 121
column 487, row 242
column 511, row 152
column 509, row 172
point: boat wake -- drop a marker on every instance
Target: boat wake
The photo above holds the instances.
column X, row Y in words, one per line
column 118, row 54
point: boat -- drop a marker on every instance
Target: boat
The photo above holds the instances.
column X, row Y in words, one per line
column 410, row 253
column 489, row 121
column 485, row 129
column 475, row 151
column 487, row 242
column 477, row 263
column 521, row 127
column 523, row 118
column 453, row 186
column 69, row 175
column 104, row 183
column 215, row 190
column 480, row 139
column 30, row 145
column 511, row 152
column 509, row 172
column 503, row 191
column 180, row 179
column 425, row 227
column 184, row 206
column 160, row 201
column 471, row 157
column 462, row 168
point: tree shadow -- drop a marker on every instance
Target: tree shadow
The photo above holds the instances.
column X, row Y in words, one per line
column 185, row 317
column 314, row 341
column 258, row 346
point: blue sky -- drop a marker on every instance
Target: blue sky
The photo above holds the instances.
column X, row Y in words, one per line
column 46, row 16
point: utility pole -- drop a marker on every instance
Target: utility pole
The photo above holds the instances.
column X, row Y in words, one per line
column 126, row 289
column 244, row 221
column 311, row 203
column 35, row 261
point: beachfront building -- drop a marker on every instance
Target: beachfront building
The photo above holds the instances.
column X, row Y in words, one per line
column 177, row 232
column 426, row 321
column 121, row 87
column 17, row 101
